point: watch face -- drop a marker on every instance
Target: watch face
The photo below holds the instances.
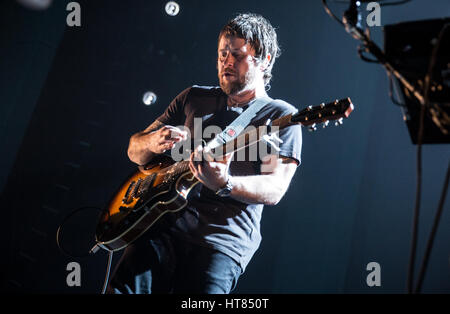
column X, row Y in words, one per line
column 225, row 192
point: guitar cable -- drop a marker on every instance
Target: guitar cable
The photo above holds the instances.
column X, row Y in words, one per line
column 58, row 234
column 108, row 269
column 93, row 250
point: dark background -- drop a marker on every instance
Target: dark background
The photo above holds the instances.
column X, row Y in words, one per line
column 72, row 96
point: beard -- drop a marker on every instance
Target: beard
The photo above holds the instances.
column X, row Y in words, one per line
column 238, row 85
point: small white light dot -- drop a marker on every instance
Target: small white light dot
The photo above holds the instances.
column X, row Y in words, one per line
column 36, row 4
column 149, row 98
column 172, row 8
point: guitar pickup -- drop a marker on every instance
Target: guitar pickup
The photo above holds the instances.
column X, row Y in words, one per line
column 126, row 198
column 146, row 183
column 136, row 188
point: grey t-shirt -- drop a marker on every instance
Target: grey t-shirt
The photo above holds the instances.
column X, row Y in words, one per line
column 222, row 223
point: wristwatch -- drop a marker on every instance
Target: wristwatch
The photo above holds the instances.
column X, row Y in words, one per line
column 226, row 190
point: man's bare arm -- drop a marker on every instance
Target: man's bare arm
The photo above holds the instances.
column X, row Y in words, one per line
column 154, row 140
column 268, row 188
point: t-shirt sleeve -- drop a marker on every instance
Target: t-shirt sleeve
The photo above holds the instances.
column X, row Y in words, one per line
column 292, row 142
column 174, row 114
column 291, row 136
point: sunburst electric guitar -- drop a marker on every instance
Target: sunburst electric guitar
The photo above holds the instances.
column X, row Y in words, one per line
column 163, row 186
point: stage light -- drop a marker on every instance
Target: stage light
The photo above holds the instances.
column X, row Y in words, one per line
column 36, row 4
column 172, row 8
column 149, row 98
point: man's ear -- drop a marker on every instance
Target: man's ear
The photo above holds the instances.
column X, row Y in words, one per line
column 266, row 62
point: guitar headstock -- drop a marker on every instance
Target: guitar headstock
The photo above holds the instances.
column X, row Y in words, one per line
column 324, row 113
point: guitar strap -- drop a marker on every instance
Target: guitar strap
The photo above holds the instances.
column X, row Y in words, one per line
column 240, row 123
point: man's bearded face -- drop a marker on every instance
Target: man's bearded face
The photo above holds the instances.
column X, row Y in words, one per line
column 236, row 65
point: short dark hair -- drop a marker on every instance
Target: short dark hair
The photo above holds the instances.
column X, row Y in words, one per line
column 259, row 33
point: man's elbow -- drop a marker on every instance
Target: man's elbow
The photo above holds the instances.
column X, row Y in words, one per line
column 272, row 202
column 275, row 197
column 132, row 152
column 132, row 156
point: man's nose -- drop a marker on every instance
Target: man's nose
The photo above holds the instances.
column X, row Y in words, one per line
column 229, row 59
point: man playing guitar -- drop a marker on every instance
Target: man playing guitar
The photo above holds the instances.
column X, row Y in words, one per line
column 208, row 245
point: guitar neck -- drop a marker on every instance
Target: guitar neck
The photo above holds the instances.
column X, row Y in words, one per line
column 253, row 136
column 310, row 116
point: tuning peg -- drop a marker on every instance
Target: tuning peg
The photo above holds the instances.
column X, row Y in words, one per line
column 312, row 128
column 325, row 123
column 339, row 122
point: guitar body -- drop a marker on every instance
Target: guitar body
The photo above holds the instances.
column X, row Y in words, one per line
column 141, row 201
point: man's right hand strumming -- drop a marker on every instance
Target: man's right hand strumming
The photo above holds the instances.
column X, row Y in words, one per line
column 156, row 139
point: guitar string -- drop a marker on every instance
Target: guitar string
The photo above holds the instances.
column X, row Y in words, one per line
column 183, row 166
